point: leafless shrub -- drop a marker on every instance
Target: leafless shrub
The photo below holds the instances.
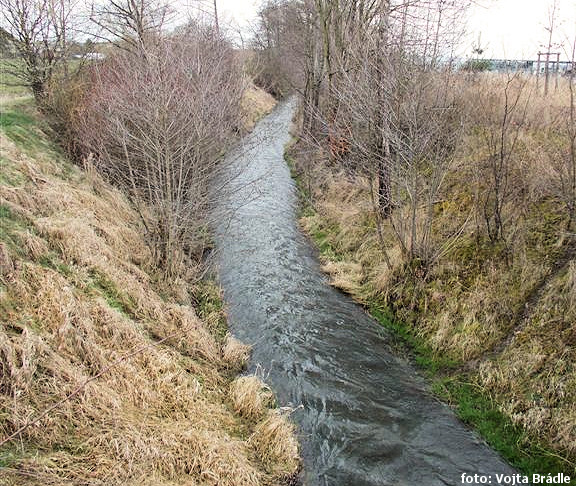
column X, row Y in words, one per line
column 501, row 138
column 393, row 114
column 158, row 120
column 564, row 127
column 497, row 107
column 408, row 154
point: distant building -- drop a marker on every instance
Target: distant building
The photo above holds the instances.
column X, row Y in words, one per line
column 526, row 66
column 91, row 56
column 505, row 65
column 562, row 67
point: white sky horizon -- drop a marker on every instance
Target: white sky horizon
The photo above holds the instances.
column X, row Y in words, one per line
column 507, row 29
column 516, row 29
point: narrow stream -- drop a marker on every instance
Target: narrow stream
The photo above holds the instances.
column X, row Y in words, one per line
column 365, row 417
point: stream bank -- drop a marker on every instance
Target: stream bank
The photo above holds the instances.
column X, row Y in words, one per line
column 365, row 416
column 350, row 255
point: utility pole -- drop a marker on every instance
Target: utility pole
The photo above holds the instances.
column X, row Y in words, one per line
column 555, row 68
column 550, row 28
column 546, row 73
column 216, row 18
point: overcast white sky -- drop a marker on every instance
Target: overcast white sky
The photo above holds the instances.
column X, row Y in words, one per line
column 517, row 28
column 507, row 28
column 241, row 10
column 237, row 12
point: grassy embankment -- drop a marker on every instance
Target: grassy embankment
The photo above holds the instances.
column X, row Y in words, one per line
column 111, row 376
column 494, row 325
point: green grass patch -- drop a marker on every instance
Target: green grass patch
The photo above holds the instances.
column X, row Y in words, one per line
column 10, row 175
column 5, row 212
column 22, row 126
column 209, row 306
column 10, row 84
column 9, row 456
column 52, row 262
column 475, row 407
column 32, row 135
column 13, row 118
column 115, row 298
column 422, row 353
column 321, row 237
column 10, row 224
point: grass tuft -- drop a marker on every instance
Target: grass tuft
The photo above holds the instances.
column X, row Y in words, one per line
column 250, row 397
column 274, row 443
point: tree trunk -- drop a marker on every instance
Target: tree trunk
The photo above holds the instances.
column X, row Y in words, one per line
column 384, row 183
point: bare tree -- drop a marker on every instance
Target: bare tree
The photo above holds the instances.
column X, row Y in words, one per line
column 400, row 112
column 280, row 40
column 571, row 185
column 157, row 121
column 39, row 31
column 216, row 23
column 562, row 128
column 505, row 116
column 376, row 88
column 550, row 28
column 130, row 24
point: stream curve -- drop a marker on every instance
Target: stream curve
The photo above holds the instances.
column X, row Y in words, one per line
column 364, row 415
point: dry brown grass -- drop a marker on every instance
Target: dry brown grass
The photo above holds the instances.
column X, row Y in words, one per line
column 235, row 354
column 274, row 442
column 139, row 385
column 250, row 397
column 503, row 308
column 255, row 104
column 341, row 218
column 535, row 377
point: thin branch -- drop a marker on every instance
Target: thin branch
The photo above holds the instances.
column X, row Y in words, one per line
column 89, row 380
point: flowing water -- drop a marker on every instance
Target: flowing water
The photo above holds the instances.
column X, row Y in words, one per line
column 364, row 416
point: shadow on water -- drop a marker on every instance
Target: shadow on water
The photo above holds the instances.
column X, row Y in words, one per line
column 364, row 415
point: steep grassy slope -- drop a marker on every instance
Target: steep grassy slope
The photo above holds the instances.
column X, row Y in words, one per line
column 502, row 355
column 106, row 375
column 493, row 321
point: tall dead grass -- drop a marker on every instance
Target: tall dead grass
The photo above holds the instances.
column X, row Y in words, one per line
column 250, row 397
column 135, row 385
column 279, row 456
column 503, row 307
